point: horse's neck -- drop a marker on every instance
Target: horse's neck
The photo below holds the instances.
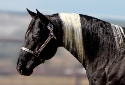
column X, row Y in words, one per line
column 72, row 34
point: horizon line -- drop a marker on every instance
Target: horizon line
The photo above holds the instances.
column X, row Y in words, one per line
column 101, row 16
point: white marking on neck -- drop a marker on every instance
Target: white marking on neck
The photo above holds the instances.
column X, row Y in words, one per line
column 73, row 33
column 118, row 34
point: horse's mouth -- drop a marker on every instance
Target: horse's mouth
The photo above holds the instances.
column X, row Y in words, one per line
column 25, row 72
column 27, row 69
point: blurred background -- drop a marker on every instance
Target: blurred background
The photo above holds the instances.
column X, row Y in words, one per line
column 63, row 68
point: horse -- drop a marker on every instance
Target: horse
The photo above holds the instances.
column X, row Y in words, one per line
column 98, row 45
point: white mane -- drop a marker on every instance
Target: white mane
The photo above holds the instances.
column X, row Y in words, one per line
column 73, row 33
column 118, row 34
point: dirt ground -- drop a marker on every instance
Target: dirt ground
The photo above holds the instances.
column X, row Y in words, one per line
column 41, row 80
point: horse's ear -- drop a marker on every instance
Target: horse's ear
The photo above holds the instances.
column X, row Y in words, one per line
column 42, row 17
column 31, row 13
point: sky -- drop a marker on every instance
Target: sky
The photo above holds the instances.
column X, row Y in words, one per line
column 107, row 8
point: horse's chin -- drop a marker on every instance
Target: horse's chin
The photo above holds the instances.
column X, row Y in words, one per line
column 26, row 72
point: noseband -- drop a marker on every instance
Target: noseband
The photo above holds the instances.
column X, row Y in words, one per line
column 37, row 53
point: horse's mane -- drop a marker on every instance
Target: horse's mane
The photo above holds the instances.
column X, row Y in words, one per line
column 73, row 39
column 118, row 35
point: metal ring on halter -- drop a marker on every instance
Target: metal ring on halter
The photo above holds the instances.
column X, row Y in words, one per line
column 37, row 53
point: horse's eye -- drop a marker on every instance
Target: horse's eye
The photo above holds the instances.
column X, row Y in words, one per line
column 29, row 58
column 35, row 37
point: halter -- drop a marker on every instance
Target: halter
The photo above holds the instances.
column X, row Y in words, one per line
column 37, row 53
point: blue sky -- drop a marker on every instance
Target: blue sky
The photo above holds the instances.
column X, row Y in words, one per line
column 112, row 8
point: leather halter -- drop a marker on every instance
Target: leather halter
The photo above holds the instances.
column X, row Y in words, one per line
column 37, row 53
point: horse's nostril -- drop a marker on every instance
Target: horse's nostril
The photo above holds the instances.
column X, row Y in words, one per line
column 29, row 64
column 19, row 65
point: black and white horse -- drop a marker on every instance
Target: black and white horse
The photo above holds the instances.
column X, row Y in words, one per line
column 98, row 45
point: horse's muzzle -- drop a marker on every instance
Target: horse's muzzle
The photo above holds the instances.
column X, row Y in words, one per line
column 24, row 71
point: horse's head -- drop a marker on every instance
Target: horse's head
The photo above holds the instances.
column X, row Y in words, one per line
column 40, row 43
